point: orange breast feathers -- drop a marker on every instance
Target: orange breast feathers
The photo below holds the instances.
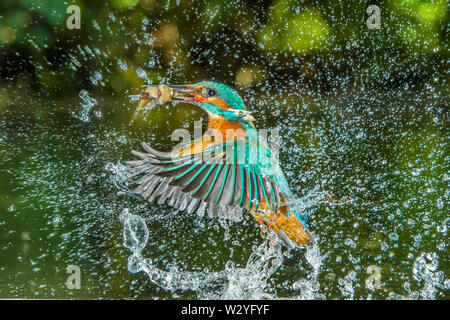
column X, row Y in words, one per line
column 219, row 130
column 229, row 130
column 219, row 125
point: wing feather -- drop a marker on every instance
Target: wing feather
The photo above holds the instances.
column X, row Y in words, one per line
column 215, row 184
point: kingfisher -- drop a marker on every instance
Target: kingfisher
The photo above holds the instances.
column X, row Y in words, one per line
column 228, row 172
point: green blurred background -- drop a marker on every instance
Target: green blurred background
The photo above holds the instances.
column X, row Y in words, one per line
column 249, row 43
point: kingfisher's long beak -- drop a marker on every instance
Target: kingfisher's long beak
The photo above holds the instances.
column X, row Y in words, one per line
column 185, row 93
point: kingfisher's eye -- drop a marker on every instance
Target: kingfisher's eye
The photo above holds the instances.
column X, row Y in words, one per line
column 211, row 92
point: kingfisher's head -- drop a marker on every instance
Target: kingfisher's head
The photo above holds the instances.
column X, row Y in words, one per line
column 217, row 99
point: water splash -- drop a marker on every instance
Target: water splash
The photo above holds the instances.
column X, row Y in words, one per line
column 425, row 271
column 309, row 288
column 428, row 277
column 87, row 103
column 250, row 282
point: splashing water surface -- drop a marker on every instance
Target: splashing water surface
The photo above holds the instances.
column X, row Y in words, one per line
column 249, row 282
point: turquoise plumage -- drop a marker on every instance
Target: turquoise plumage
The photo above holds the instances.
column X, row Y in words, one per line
column 224, row 177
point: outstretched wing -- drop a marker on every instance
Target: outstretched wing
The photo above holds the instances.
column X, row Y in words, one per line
column 223, row 180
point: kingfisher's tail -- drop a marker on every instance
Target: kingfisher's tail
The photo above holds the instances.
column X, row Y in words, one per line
column 291, row 229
